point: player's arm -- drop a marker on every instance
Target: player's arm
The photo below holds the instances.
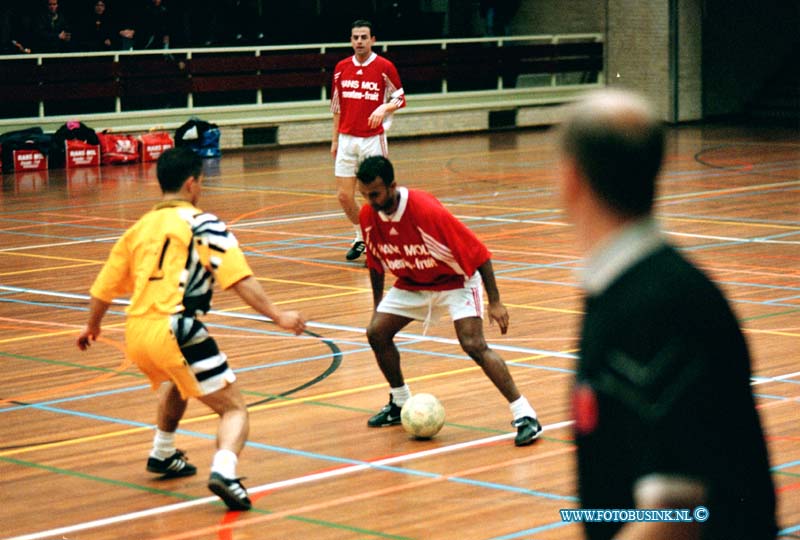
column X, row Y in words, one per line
column 97, row 309
column 396, row 99
column 497, row 311
column 335, row 135
column 662, row 491
column 376, row 279
column 251, row 291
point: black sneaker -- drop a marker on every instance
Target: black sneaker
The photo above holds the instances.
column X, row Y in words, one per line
column 528, row 429
column 230, row 490
column 356, row 250
column 174, row 466
column 388, row 416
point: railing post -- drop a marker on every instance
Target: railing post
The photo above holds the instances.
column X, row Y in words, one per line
column 190, row 95
column 260, row 91
column 444, row 79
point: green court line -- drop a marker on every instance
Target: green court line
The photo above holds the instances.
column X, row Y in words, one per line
column 767, row 315
column 178, row 495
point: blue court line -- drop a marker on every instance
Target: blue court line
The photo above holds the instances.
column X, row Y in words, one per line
column 770, row 396
column 789, row 530
column 56, row 237
column 793, row 297
column 725, row 196
column 785, row 465
column 320, row 457
column 536, row 530
column 744, row 221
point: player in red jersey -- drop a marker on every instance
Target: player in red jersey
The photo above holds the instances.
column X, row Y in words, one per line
column 440, row 265
column 366, row 91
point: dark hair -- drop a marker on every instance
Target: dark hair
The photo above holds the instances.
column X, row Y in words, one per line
column 358, row 23
column 620, row 159
column 374, row 167
column 175, row 166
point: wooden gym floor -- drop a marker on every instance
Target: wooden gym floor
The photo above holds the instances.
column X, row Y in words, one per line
column 75, row 428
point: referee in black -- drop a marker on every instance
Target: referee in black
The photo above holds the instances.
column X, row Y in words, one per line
column 664, row 413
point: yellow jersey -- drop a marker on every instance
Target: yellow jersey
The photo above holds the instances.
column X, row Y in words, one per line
column 169, row 260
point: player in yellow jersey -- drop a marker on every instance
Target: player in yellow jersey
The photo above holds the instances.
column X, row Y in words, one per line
column 168, row 262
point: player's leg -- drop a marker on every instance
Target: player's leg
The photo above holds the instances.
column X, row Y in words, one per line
column 199, row 369
column 395, row 311
column 151, row 346
column 466, row 310
column 346, row 194
column 380, row 333
column 470, row 335
column 345, row 169
column 232, row 432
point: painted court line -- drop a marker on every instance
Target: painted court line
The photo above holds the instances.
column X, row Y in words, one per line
column 310, row 324
column 281, row 484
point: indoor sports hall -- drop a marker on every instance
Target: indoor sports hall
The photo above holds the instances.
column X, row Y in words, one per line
column 76, row 427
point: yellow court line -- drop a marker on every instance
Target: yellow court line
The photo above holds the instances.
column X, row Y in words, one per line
column 53, row 334
column 311, row 284
column 257, row 408
column 540, row 308
column 770, row 332
column 49, row 268
column 270, row 191
column 726, row 222
column 51, row 257
column 328, row 168
column 294, row 301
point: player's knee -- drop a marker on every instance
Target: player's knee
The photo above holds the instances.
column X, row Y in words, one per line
column 346, row 199
column 475, row 347
column 377, row 338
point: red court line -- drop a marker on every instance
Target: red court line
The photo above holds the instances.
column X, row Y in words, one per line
column 227, row 524
column 52, row 392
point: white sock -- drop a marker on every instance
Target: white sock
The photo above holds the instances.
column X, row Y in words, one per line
column 520, row 408
column 163, row 445
column 359, row 237
column 400, row 395
column 225, row 463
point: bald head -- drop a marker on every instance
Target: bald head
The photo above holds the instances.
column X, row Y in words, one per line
column 617, row 143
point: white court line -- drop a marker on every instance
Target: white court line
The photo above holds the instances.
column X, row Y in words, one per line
column 310, row 324
column 779, row 378
column 245, row 225
column 59, row 244
column 291, row 482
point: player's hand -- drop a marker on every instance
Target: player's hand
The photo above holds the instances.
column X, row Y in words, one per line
column 499, row 314
column 86, row 337
column 376, row 118
column 293, row 321
column 334, row 148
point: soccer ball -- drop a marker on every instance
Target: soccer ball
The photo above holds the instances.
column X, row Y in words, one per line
column 422, row 416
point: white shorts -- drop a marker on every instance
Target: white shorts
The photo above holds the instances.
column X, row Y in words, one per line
column 428, row 306
column 353, row 150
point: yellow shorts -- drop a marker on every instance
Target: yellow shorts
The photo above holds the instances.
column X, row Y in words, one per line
column 197, row 367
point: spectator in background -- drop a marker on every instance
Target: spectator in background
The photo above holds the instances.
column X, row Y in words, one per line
column 125, row 23
column 96, row 32
column 11, row 25
column 497, row 15
column 51, row 31
column 154, row 26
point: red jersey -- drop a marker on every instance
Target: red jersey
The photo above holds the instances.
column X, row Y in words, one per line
column 422, row 244
column 358, row 89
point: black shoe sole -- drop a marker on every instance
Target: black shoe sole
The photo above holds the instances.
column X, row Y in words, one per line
column 220, row 489
column 526, row 442
column 173, row 474
column 385, row 424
